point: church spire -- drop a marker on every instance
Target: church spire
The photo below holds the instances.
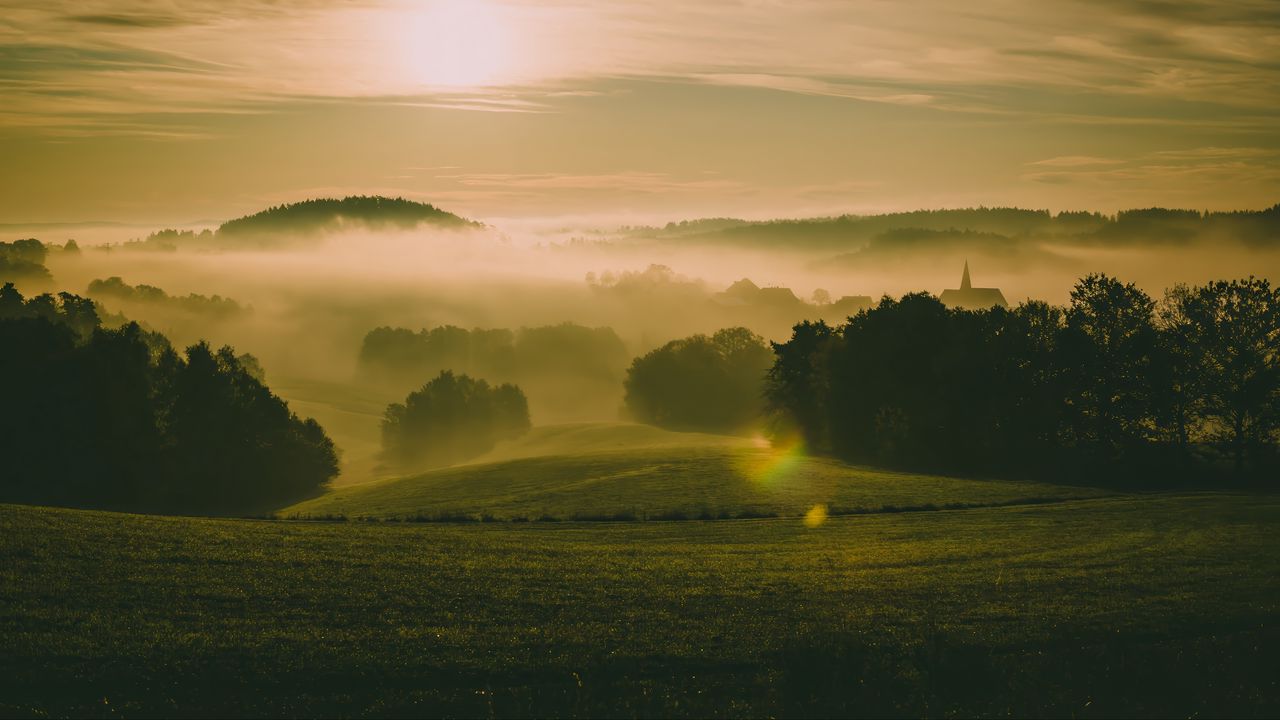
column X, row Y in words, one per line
column 964, row 281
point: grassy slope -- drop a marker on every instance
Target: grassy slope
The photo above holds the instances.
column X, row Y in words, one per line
column 1120, row 606
column 579, row 438
column 724, row 477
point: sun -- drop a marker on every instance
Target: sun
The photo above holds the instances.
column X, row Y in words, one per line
column 457, row 44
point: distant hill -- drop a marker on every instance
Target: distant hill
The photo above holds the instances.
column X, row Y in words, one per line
column 307, row 219
column 981, row 226
column 312, row 216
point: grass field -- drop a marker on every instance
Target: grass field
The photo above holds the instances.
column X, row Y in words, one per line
column 1152, row 606
column 688, row 477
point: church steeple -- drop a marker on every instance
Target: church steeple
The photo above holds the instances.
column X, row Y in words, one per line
column 964, row 281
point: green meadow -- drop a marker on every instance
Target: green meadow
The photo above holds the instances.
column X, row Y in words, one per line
column 636, row 472
column 1153, row 605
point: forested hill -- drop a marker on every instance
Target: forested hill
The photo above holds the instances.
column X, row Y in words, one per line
column 1144, row 226
column 310, row 216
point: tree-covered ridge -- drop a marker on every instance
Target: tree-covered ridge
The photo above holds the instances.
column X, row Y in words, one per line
column 372, row 211
column 115, row 418
column 115, row 288
column 1148, row 225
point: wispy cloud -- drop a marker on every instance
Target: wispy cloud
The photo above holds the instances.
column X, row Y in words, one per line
column 134, row 20
column 1075, row 161
column 1132, row 57
column 631, row 181
column 1176, row 173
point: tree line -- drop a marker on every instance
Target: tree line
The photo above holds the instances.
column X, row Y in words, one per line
column 1115, row 383
column 116, row 418
column 115, row 288
column 1145, row 226
column 567, row 349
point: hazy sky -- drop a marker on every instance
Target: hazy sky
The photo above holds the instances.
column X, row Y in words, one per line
column 183, row 110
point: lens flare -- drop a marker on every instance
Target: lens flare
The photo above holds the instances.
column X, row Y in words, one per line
column 774, row 462
column 816, row 516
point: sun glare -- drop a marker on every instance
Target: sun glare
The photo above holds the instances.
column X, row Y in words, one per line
column 457, row 44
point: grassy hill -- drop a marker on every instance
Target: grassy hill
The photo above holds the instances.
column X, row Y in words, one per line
column 1151, row 606
column 680, row 476
column 580, row 438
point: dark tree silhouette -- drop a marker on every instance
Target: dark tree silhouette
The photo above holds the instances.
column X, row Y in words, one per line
column 1177, row 372
column 701, row 383
column 310, row 216
column 450, row 419
column 1236, row 331
column 116, row 419
column 798, row 386
column 1108, row 344
column 1113, row 386
column 23, row 260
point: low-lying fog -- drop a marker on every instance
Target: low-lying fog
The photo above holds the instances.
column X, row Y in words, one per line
column 304, row 310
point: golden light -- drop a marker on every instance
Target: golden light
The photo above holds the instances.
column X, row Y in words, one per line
column 816, row 516
column 456, row 44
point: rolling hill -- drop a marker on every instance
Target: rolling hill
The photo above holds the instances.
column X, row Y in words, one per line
column 1137, row 227
column 308, row 219
column 634, row 472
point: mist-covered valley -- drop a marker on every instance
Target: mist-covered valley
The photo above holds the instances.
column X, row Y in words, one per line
column 311, row 293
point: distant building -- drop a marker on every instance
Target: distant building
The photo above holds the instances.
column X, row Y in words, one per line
column 774, row 302
column 745, row 293
column 972, row 298
column 847, row 306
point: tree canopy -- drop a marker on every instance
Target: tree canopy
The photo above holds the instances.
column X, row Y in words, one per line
column 1114, row 382
column 117, row 419
column 450, row 419
column 702, row 383
column 23, row 260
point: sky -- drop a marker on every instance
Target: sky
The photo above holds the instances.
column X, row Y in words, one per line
column 186, row 111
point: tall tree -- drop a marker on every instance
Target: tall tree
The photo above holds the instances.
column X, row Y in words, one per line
column 1178, row 370
column 1236, row 326
column 1106, row 350
column 797, row 386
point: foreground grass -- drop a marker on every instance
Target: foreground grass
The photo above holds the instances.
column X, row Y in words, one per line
column 1159, row 605
column 706, row 481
